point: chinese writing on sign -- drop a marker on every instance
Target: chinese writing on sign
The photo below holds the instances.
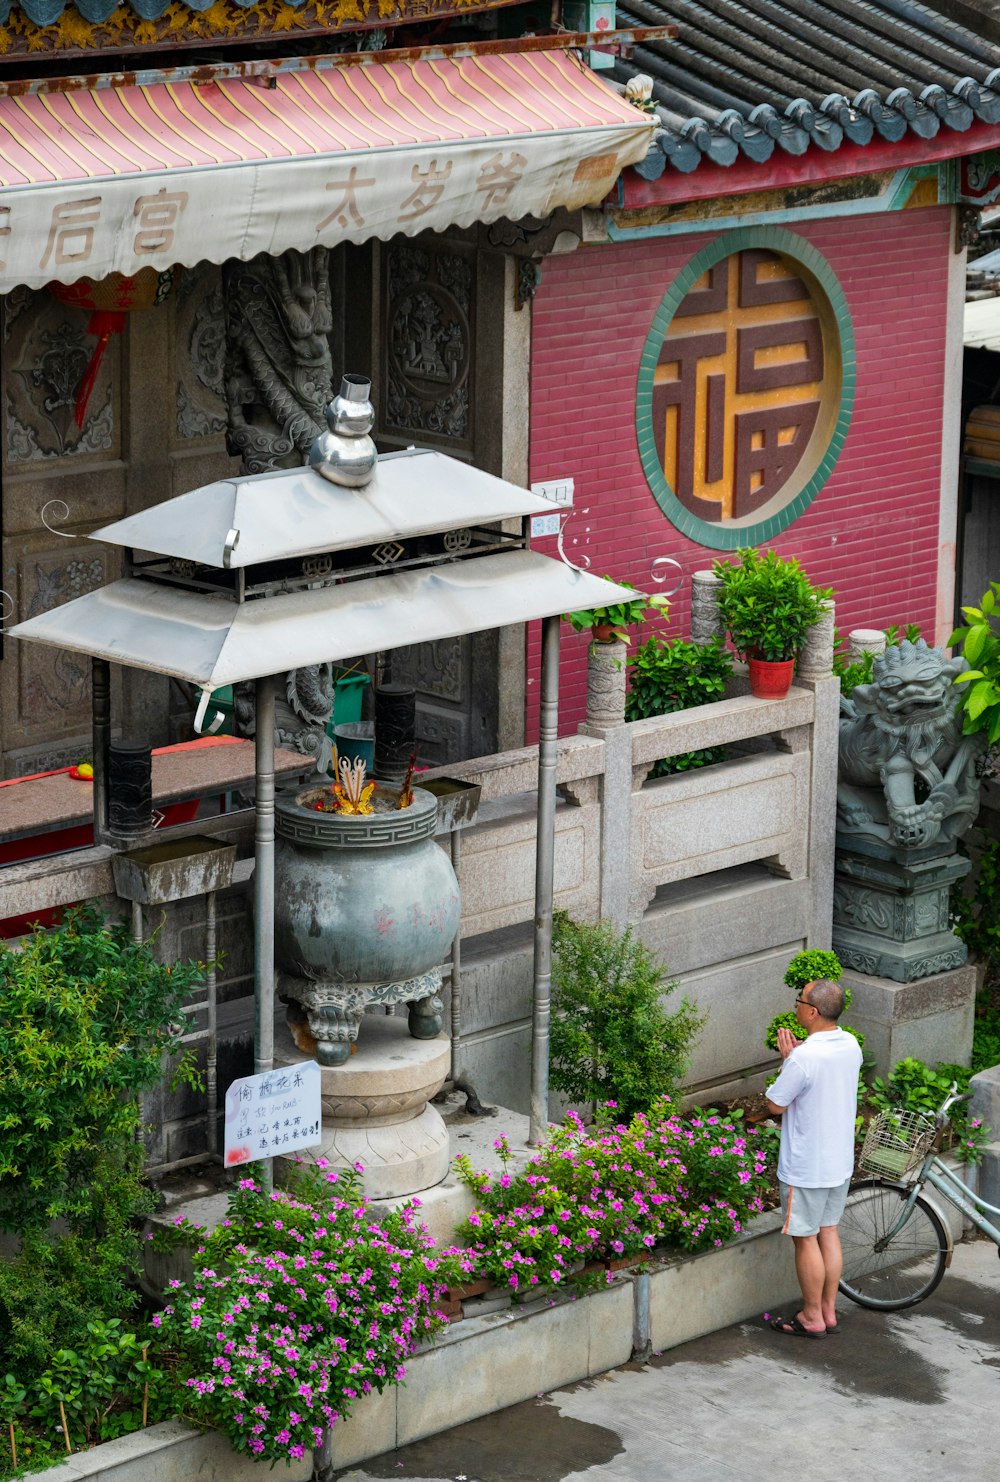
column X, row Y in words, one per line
column 273, row 1113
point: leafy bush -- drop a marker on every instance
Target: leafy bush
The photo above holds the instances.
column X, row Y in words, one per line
column 299, row 1305
column 918, row 1087
column 611, row 1037
column 986, row 1040
column 814, row 965
column 616, row 1190
column 619, row 616
column 768, row 604
column 975, row 913
column 671, row 675
column 981, row 650
column 88, row 1017
column 860, row 672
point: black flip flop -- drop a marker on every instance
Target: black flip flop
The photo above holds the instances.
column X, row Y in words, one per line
column 791, row 1327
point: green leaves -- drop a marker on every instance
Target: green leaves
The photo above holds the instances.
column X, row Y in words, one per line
column 670, row 675
column 981, row 650
column 768, row 604
column 611, row 1036
column 618, row 616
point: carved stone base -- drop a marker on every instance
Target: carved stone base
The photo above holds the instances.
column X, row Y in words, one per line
column 333, row 1011
column 930, row 1018
column 891, row 920
column 376, row 1108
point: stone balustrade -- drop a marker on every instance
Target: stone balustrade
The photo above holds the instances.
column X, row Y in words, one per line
column 725, row 871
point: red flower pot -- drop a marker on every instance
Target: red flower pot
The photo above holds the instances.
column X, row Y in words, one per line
column 770, row 680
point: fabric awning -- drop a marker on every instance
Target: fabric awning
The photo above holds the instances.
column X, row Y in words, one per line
column 211, row 641
column 117, row 179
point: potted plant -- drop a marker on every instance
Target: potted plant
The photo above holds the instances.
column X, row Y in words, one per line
column 608, row 624
column 768, row 605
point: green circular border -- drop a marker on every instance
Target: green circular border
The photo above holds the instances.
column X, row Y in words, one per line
column 720, row 537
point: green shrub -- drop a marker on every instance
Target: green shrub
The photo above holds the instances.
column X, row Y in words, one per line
column 767, row 603
column 87, row 1019
column 986, row 1040
column 860, row 672
column 915, row 1086
column 670, row 675
column 611, row 1037
column 814, row 965
column 975, row 913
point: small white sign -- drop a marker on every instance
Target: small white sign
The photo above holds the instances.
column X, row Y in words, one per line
column 544, row 525
column 274, row 1113
column 560, row 491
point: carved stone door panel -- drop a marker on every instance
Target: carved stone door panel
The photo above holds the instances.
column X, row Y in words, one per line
column 60, row 480
column 152, row 428
column 432, row 337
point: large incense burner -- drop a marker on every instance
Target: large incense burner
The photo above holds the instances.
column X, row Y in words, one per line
column 366, row 907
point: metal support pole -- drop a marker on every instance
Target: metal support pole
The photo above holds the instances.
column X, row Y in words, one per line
column 456, row 965
column 264, row 888
column 137, row 923
column 212, row 1052
column 545, row 850
column 100, row 679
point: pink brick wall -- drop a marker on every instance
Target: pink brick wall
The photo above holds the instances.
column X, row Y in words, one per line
column 591, row 316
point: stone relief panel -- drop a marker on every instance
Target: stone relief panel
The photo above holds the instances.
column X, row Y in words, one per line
column 47, row 349
column 428, row 345
column 200, row 353
column 436, row 668
column 54, row 686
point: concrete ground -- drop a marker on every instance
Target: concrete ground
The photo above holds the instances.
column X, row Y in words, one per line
column 912, row 1395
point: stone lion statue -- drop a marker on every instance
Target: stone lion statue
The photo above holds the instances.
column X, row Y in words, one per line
column 907, row 776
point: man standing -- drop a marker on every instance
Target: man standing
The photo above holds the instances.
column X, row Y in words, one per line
column 816, row 1096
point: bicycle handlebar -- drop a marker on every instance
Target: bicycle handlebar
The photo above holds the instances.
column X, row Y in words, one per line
column 941, row 1115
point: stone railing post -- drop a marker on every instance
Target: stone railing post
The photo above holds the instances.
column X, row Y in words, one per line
column 606, row 684
column 865, row 641
column 816, row 653
column 606, row 676
column 706, row 620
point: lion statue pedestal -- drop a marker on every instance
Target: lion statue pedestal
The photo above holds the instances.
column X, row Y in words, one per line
column 907, row 790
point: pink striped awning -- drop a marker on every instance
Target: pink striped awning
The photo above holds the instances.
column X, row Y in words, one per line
column 116, row 179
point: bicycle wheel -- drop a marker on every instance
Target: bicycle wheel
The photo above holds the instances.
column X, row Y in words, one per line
column 890, row 1274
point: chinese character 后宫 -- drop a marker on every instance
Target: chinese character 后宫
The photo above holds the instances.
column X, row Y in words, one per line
column 157, row 218
column 71, row 230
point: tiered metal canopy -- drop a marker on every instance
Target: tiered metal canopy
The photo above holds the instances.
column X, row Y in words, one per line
column 249, row 577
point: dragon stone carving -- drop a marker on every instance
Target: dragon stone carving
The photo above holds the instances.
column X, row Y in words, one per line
column 278, row 379
column 279, row 372
column 907, row 776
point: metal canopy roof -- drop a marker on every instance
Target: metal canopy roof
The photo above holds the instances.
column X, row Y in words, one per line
column 212, row 641
column 294, row 512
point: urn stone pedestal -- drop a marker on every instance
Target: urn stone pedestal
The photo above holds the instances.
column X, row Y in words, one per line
column 891, row 919
column 366, row 908
column 376, row 1107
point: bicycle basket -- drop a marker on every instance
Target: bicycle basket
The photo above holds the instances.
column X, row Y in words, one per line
column 896, row 1142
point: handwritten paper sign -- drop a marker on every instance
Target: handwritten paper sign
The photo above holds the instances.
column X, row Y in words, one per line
column 274, row 1113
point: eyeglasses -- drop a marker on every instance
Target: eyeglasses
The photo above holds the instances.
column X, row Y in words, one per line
column 808, row 1005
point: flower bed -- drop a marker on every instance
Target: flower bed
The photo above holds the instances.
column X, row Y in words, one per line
column 299, row 1306
column 616, row 1190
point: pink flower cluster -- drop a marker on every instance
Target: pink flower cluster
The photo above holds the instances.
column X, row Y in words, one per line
column 614, row 1190
column 299, row 1305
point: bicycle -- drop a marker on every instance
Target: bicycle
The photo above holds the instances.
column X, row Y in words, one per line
column 897, row 1242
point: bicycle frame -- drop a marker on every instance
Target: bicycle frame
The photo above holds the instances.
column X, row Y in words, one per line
column 935, row 1172
column 955, row 1190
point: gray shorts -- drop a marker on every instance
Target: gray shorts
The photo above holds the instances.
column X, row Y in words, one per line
column 806, row 1211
